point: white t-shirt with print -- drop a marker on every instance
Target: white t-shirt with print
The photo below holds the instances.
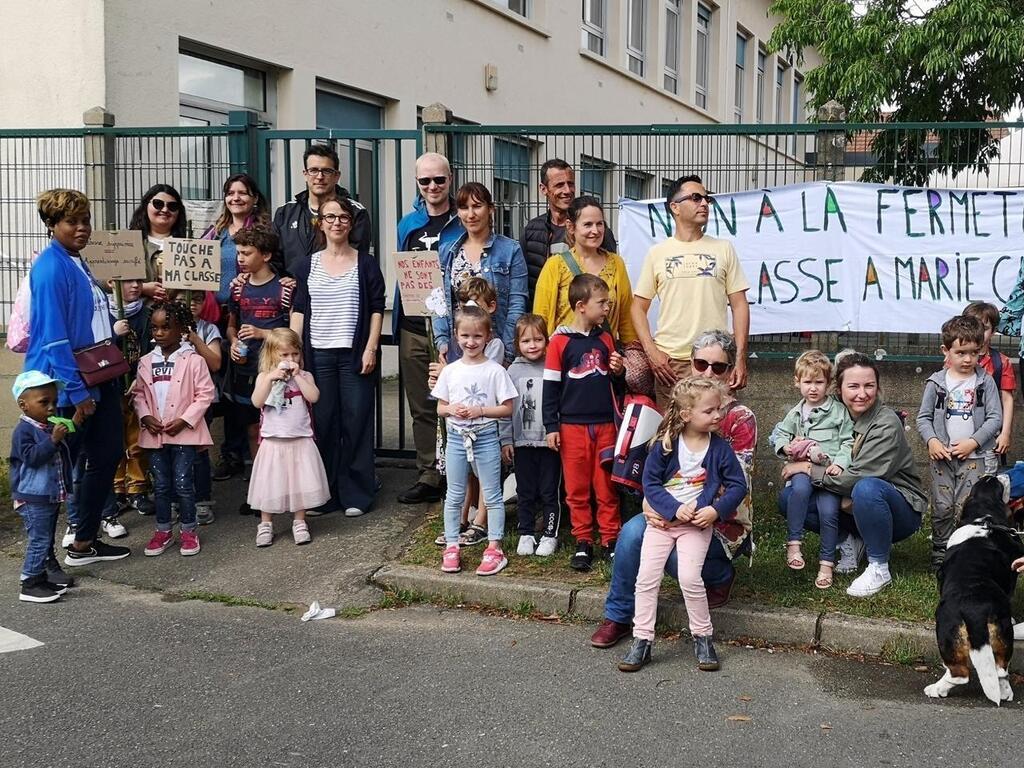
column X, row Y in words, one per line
column 686, row 484
column 100, row 321
column 485, row 384
column 960, row 399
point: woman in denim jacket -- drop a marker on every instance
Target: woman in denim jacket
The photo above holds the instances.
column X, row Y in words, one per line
column 481, row 253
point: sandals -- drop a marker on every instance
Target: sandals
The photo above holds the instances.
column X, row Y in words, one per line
column 794, row 558
column 440, row 540
column 824, row 579
column 475, row 534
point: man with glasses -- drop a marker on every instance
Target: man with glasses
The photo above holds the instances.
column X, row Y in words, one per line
column 293, row 222
column 695, row 276
column 433, row 218
column 545, row 234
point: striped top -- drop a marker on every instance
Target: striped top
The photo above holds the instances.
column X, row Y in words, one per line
column 334, row 306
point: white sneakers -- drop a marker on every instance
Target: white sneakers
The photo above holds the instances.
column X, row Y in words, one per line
column 546, row 547
column 875, row 577
column 353, row 512
column 527, row 544
column 851, row 551
column 69, row 537
column 113, row 527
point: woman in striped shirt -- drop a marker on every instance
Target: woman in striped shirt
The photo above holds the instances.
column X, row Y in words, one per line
column 338, row 310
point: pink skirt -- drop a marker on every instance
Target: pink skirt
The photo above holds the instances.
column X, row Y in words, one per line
column 287, row 476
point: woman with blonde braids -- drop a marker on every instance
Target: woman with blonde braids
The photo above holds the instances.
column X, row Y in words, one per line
column 692, row 479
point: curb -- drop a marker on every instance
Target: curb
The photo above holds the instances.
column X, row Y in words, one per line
column 784, row 626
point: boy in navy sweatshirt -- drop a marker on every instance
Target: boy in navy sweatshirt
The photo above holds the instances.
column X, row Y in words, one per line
column 40, row 480
column 579, row 414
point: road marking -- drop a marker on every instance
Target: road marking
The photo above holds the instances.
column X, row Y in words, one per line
column 15, row 641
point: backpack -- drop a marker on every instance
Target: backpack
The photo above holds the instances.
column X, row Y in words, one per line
column 18, row 323
column 640, row 421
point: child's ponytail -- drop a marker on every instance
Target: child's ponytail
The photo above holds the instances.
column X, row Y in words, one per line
column 683, row 397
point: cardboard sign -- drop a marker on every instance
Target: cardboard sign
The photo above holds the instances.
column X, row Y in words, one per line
column 116, row 255
column 418, row 273
column 191, row 265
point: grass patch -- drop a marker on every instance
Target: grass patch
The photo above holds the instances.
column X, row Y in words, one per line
column 766, row 579
column 8, row 518
column 353, row 612
column 399, row 598
column 229, row 600
column 907, row 651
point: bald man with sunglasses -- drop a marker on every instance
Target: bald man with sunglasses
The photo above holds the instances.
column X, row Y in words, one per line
column 696, row 277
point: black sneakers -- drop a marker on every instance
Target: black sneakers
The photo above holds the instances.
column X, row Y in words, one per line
column 227, row 467
column 584, row 557
column 55, row 574
column 421, row 493
column 637, row 656
column 99, row 552
column 38, row 590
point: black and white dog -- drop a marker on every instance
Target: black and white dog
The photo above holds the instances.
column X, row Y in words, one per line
column 972, row 623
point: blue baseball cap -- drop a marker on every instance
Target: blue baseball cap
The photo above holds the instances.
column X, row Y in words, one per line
column 30, row 379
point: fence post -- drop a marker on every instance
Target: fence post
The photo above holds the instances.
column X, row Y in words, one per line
column 100, row 174
column 242, row 145
column 831, row 142
column 436, row 114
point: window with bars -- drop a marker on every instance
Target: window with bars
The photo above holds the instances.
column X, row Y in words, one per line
column 594, row 177
column 741, row 76
column 798, row 109
column 636, row 36
column 594, row 26
column 635, row 184
column 703, row 50
column 759, row 85
column 780, row 82
column 511, row 185
column 673, row 11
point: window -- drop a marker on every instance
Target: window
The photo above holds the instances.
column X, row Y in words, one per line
column 522, row 7
column 511, row 185
column 218, row 83
column 703, row 54
column 334, row 110
column 635, row 185
column 780, row 80
column 594, row 176
column 636, row 36
column 594, row 21
column 741, row 75
column 798, row 109
column 759, row 95
column 672, row 14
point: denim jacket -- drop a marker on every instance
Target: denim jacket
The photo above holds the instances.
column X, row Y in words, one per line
column 40, row 468
column 503, row 266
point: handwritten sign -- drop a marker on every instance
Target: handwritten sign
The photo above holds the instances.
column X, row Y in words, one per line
column 418, row 273
column 852, row 256
column 116, row 255
column 191, row 265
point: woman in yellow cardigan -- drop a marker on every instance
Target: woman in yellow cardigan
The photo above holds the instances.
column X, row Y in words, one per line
column 585, row 230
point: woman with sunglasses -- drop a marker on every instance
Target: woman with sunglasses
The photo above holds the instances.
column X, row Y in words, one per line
column 338, row 311
column 713, row 355
column 161, row 214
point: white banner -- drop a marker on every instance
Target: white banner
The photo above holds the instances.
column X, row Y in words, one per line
column 855, row 257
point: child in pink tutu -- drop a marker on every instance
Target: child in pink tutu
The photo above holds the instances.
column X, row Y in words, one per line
column 287, row 474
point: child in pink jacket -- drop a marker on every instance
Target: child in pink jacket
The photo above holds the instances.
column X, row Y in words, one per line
column 172, row 391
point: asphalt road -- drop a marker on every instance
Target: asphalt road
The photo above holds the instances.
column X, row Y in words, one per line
column 127, row 679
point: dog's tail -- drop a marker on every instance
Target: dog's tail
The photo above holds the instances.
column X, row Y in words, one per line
column 984, row 662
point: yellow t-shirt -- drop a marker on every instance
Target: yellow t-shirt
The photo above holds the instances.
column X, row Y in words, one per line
column 693, row 282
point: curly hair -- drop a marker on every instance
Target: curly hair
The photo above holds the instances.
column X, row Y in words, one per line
column 684, row 396
column 177, row 312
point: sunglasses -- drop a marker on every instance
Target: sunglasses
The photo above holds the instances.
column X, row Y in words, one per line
column 424, row 181
column 695, row 197
column 158, row 205
column 716, row 368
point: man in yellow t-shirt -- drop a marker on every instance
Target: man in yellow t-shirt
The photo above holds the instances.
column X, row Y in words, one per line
column 695, row 276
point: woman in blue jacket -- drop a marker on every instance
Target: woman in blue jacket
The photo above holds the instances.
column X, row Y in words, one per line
column 70, row 311
column 479, row 252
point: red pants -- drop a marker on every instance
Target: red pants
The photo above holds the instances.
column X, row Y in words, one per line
column 582, row 470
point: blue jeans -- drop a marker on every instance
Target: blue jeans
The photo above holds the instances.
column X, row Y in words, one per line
column 618, row 606
column 881, row 516
column 803, row 498
column 40, row 519
column 343, row 419
column 173, row 468
column 486, row 466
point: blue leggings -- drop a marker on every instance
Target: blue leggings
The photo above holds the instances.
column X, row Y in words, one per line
column 803, row 497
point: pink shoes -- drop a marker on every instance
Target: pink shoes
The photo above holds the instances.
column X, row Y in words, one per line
column 159, row 544
column 450, row 561
column 189, row 543
column 494, row 561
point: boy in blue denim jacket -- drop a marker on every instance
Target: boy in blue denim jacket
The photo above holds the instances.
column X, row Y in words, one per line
column 40, row 480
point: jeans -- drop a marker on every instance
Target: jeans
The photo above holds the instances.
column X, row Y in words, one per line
column 619, row 605
column 96, row 449
column 487, row 467
column 344, row 427
column 803, row 497
column 881, row 516
column 173, row 468
column 39, row 519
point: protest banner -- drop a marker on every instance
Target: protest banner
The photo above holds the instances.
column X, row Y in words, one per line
column 115, row 255
column 855, row 257
column 191, row 265
column 418, row 273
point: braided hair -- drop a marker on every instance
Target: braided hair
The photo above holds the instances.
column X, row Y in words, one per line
column 684, row 396
column 178, row 313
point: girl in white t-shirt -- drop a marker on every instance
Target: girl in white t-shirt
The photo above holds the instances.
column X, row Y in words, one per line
column 473, row 393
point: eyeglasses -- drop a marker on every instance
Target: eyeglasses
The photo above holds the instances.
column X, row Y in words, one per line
column 424, row 181
column 702, row 365
column 321, row 171
column 158, row 205
column 341, row 218
column 695, row 197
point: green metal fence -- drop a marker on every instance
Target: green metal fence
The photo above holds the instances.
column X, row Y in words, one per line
column 640, row 161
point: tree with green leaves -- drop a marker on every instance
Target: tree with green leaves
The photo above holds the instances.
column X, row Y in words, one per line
column 913, row 61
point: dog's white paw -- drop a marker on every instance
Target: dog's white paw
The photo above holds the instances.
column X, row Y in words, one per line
column 1005, row 691
column 936, row 691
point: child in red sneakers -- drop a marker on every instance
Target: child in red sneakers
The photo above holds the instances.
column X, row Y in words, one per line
column 171, row 393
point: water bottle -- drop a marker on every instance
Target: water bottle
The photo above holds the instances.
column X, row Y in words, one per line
column 243, row 352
